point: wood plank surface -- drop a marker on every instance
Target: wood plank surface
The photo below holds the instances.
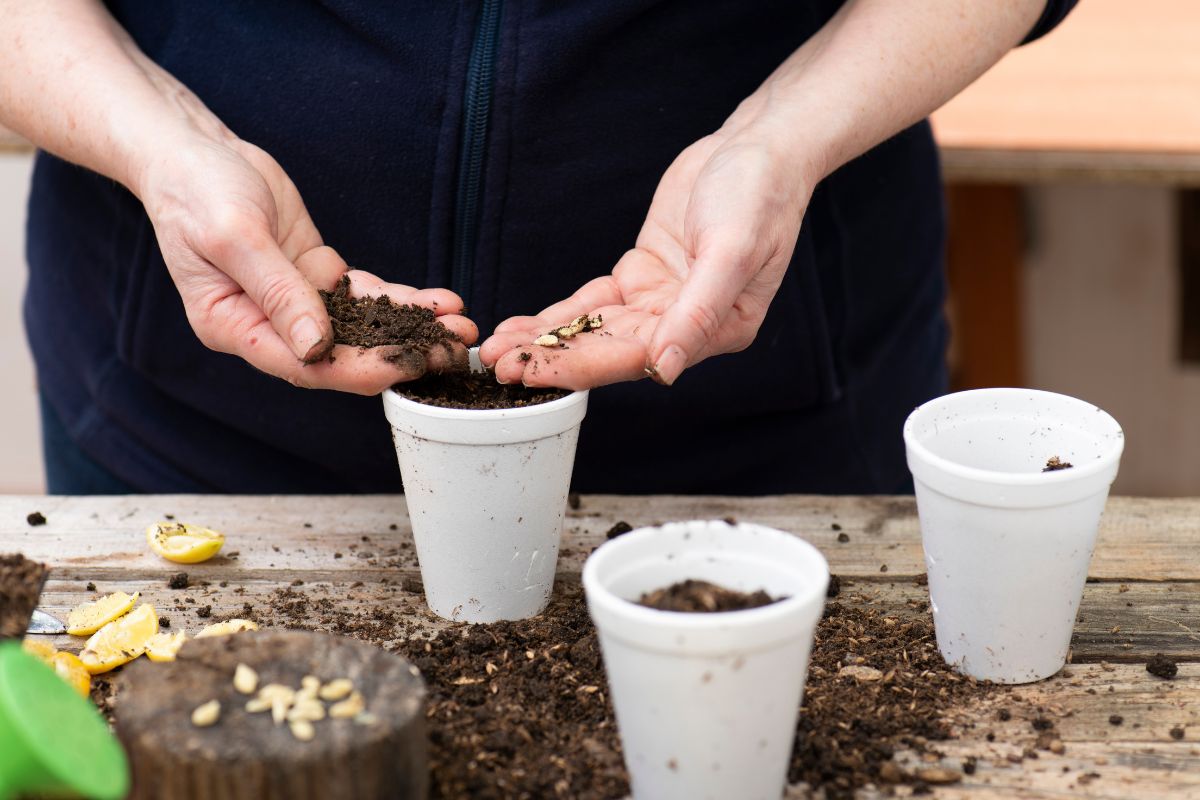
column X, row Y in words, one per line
column 1113, row 85
column 1142, row 600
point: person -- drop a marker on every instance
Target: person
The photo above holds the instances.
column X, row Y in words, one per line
column 208, row 167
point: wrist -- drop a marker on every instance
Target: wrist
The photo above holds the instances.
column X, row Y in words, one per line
column 794, row 139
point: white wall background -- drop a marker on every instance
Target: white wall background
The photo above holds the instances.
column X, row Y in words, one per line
column 20, row 440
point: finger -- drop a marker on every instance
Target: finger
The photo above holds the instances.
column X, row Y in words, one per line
column 498, row 344
column 289, row 301
column 602, row 291
column 349, row 369
column 322, row 267
column 693, row 321
column 441, row 301
column 581, row 366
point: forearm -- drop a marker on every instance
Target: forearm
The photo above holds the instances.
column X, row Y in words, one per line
column 876, row 68
column 75, row 84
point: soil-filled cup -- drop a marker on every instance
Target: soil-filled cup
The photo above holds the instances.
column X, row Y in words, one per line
column 1008, row 539
column 706, row 703
column 486, row 492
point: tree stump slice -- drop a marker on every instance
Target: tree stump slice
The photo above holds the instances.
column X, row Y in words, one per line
column 246, row 756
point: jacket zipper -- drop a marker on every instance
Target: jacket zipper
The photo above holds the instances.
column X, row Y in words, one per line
column 477, row 106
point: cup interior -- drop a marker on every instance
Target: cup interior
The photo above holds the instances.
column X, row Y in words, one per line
column 743, row 558
column 1013, row 431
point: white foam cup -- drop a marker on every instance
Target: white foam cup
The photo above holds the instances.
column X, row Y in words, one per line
column 1007, row 545
column 706, row 703
column 486, row 493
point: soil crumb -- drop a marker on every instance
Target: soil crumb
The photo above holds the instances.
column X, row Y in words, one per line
column 378, row 322
column 702, row 597
column 36, row 518
column 178, row 581
column 473, row 390
column 21, row 582
column 1162, row 667
column 619, row 529
column 1054, row 464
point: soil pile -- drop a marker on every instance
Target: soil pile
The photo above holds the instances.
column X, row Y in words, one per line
column 876, row 683
column 474, row 390
column 521, row 709
column 378, row 322
column 693, row 596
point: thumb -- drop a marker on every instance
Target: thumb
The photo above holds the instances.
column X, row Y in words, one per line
column 691, row 325
column 284, row 295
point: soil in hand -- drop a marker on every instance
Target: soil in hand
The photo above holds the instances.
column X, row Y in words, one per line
column 473, row 390
column 366, row 322
column 693, row 596
column 21, row 583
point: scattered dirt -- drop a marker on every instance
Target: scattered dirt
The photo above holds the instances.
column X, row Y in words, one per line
column 473, row 390
column 35, row 519
column 835, row 586
column 876, row 684
column 378, row 322
column 1177, row 733
column 178, row 581
column 1054, row 464
column 700, row 597
column 843, row 538
column 574, row 501
column 1162, row 667
column 618, row 529
column 21, row 582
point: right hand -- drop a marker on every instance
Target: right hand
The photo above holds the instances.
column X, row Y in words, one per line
column 248, row 260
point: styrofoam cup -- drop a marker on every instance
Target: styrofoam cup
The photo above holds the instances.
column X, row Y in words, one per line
column 486, row 493
column 706, row 704
column 1007, row 545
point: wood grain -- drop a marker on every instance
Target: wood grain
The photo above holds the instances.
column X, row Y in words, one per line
column 1142, row 600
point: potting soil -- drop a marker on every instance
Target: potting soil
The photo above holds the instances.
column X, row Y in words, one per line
column 378, row 322
column 521, row 709
column 473, row 390
column 694, row 596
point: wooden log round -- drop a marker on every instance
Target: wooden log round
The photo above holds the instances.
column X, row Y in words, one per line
column 245, row 756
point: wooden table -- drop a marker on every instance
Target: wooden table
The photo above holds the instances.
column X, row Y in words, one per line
column 1141, row 599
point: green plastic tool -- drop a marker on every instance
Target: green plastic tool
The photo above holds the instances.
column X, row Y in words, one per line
column 52, row 741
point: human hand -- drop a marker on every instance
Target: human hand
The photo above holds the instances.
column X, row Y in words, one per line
column 707, row 263
column 248, row 260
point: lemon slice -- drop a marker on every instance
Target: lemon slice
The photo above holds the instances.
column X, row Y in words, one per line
column 120, row 641
column 90, row 617
column 71, row 669
column 184, row 543
column 226, row 628
column 40, row 648
column 164, row 646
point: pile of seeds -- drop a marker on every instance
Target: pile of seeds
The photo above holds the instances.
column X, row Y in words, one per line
column 300, row 708
column 581, row 324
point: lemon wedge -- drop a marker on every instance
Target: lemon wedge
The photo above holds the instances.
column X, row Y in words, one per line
column 40, row 648
column 226, row 628
column 90, row 617
column 184, row 543
column 120, row 641
column 164, row 646
column 71, row 669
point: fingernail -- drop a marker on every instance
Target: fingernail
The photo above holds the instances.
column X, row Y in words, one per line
column 670, row 365
column 307, row 341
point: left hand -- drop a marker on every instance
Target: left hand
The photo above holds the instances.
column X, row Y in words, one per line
column 707, row 263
